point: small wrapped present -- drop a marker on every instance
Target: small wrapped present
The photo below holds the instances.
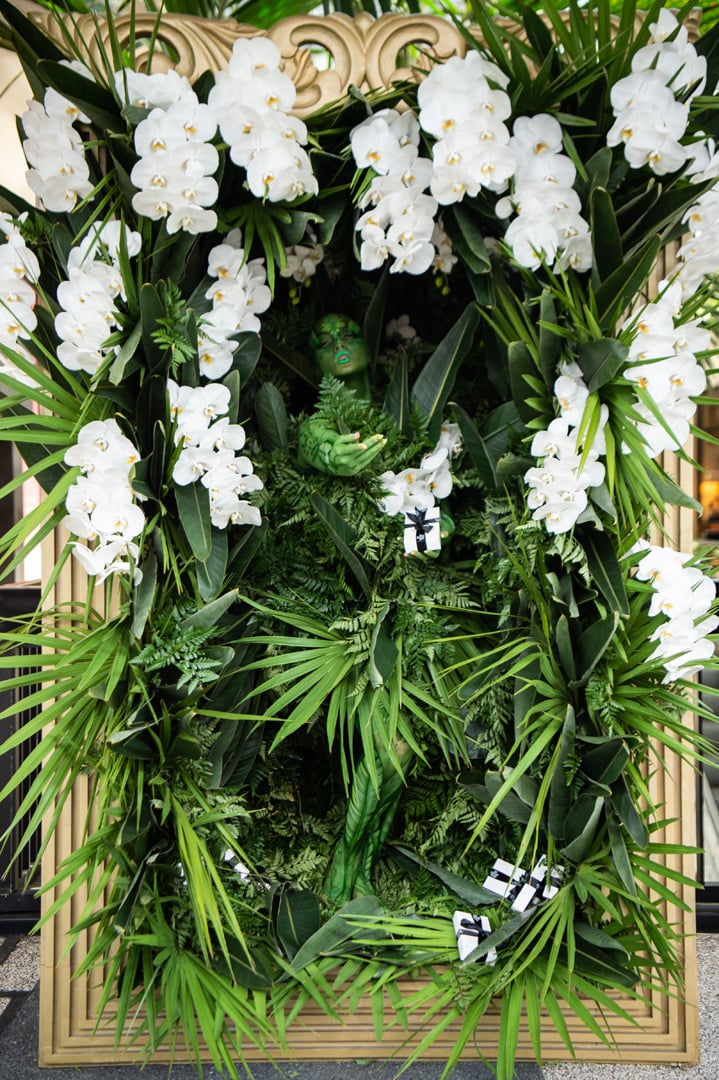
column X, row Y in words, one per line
column 421, row 533
column 471, row 930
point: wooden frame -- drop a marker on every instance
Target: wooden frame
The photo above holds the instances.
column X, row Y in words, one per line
column 365, row 54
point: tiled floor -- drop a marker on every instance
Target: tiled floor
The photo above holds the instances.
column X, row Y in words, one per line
column 19, row 972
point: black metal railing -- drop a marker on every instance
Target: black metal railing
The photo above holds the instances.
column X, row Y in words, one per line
column 18, row 899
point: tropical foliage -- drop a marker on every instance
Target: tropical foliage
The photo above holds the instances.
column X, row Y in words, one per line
column 310, row 751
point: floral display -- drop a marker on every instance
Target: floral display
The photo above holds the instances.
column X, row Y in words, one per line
column 356, row 424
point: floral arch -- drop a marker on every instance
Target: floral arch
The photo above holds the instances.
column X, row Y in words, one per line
column 342, row 728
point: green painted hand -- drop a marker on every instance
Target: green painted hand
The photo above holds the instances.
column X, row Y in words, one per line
column 339, row 350
column 323, row 448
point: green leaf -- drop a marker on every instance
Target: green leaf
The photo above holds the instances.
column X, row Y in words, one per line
column 620, row 858
column 397, row 402
column 467, row 890
column 464, row 231
column 605, row 568
column 151, row 407
column 119, row 368
column 343, row 536
column 592, row 645
column 272, row 420
column 152, row 310
column 232, row 382
column 669, row 492
column 523, row 373
column 209, row 615
column 436, row 379
column 246, row 354
column 373, row 325
column 628, row 814
column 559, row 790
column 94, row 100
column 605, row 763
column 600, row 361
column 383, row 651
column 211, row 571
column 143, row 594
column 563, row 636
column 608, row 251
column 193, row 508
column 581, row 826
column 550, row 339
column 616, row 293
column 491, row 441
column 298, row 918
column 332, row 936
column 598, row 964
column 513, row 807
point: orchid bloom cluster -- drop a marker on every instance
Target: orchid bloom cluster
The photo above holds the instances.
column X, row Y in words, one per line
column 101, row 503
column 239, row 294
column 463, row 104
column 252, row 100
column 59, row 174
column 650, row 121
column 177, row 160
column 398, row 219
column 19, row 269
column 662, row 363
column 549, row 227
column 89, row 313
column 699, row 254
column 684, row 595
column 208, row 443
column 559, row 484
column 416, row 491
column 302, row 260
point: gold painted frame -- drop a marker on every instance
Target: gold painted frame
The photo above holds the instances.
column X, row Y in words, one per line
column 365, row 54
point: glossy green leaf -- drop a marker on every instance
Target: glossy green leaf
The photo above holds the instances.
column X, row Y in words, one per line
column 436, row 379
column 397, row 400
column 463, row 228
column 272, row 419
column 143, row 594
column 374, row 320
column 608, row 251
column 592, row 645
column 343, row 536
column 246, row 354
column 212, row 570
column 193, row 508
column 619, row 290
column 620, row 858
column 491, row 441
column 298, row 918
column 467, row 890
column 523, row 373
column 564, row 636
column 383, row 651
column 559, row 791
column 152, row 310
column 605, row 568
column 581, row 826
column 628, row 814
column 94, row 100
column 600, row 361
column 331, row 937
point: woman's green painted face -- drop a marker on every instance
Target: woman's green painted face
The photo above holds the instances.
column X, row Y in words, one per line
column 338, row 346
